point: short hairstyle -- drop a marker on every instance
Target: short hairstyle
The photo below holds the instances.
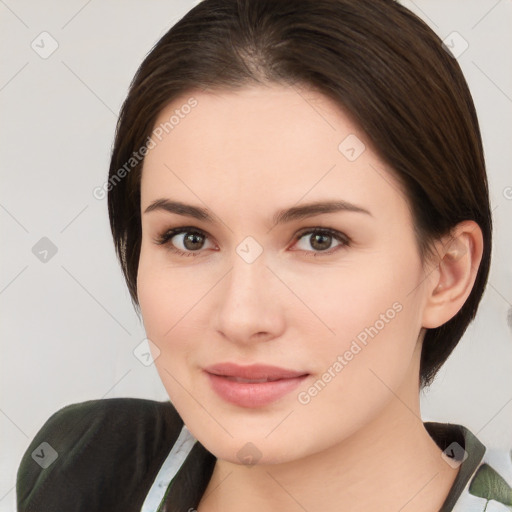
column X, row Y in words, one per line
column 381, row 63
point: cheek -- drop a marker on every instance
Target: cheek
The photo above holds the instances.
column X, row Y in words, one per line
column 375, row 313
column 166, row 293
column 172, row 302
column 161, row 306
column 153, row 299
column 355, row 299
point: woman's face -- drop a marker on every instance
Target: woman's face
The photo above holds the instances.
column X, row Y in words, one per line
column 343, row 306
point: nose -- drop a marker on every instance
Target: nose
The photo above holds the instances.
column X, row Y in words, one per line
column 249, row 306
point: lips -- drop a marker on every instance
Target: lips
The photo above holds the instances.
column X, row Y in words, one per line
column 256, row 385
column 253, row 386
column 253, row 373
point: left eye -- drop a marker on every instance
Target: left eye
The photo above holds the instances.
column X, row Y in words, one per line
column 321, row 240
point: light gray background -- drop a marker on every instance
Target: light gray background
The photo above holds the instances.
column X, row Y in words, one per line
column 68, row 329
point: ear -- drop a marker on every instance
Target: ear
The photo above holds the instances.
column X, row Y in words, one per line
column 454, row 273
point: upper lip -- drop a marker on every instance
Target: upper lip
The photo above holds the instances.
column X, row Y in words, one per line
column 253, row 371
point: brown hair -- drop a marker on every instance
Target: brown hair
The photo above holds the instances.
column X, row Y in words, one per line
column 377, row 60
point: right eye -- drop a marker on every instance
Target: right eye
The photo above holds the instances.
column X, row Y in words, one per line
column 189, row 239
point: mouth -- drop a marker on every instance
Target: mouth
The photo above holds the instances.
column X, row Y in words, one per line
column 254, row 372
column 254, row 390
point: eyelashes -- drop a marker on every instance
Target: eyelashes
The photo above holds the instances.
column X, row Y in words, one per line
column 196, row 235
column 328, row 233
column 166, row 237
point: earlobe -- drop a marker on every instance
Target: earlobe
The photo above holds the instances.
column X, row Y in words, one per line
column 453, row 277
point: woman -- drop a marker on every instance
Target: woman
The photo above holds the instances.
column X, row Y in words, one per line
column 298, row 198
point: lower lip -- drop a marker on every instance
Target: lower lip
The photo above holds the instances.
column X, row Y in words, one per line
column 253, row 394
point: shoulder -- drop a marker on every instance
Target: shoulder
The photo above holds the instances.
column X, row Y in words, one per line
column 97, row 455
column 487, row 483
column 491, row 484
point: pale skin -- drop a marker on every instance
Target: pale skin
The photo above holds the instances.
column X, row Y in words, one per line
column 360, row 443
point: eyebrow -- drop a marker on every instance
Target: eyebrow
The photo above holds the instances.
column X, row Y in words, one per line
column 280, row 217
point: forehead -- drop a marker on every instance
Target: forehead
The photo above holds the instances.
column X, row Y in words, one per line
column 254, row 118
column 262, row 143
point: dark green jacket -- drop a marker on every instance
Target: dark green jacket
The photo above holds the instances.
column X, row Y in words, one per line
column 105, row 455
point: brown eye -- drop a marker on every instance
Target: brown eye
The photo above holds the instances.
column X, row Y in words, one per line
column 321, row 240
column 193, row 241
column 184, row 241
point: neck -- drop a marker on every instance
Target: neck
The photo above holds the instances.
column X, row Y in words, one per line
column 391, row 463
